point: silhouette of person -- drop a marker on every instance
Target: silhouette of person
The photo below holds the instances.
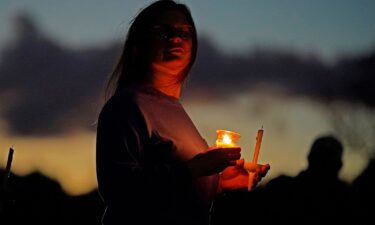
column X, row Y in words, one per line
column 153, row 166
column 316, row 195
column 363, row 188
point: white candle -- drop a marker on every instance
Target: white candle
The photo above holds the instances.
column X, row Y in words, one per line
column 257, row 145
column 255, row 156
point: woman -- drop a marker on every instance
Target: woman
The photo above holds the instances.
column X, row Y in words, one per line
column 152, row 164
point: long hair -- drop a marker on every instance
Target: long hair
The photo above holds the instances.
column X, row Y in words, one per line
column 133, row 66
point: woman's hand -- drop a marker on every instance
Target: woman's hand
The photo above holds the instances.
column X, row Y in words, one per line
column 237, row 177
column 260, row 172
column 213, row 161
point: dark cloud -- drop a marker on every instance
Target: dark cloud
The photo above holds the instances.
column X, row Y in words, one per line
column 56, row 88
column 350, row 79
column 359, row 75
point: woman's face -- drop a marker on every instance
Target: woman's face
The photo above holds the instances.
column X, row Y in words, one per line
column 171, row 42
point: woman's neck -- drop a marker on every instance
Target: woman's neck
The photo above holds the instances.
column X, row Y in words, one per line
column 166, row 82
column 171, row 90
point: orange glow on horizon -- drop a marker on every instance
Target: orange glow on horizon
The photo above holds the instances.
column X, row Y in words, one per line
column 68, row 159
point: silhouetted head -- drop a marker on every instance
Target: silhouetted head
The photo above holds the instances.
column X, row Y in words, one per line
column 164, row 34
column 325, row 156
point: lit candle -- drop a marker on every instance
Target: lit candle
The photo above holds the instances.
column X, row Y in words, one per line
column 226, row 138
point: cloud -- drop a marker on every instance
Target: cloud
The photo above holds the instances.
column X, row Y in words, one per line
column 350, row 79
column 47, row 88
column 50, row 84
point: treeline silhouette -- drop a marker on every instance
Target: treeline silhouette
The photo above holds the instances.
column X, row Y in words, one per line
column 36, row 199
column 315, row 196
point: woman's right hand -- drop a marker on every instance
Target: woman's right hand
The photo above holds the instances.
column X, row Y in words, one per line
column 237, row 177
column 213, row 161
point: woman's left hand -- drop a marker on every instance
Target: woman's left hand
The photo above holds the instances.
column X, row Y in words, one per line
column 213, row 161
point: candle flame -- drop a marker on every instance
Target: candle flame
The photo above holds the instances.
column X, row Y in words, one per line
column 227, row 139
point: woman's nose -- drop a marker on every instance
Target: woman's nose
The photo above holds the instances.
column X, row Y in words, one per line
column 175, row 39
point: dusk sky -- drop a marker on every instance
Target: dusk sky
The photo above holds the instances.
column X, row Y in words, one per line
column 324, row 27
column 284, row 65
